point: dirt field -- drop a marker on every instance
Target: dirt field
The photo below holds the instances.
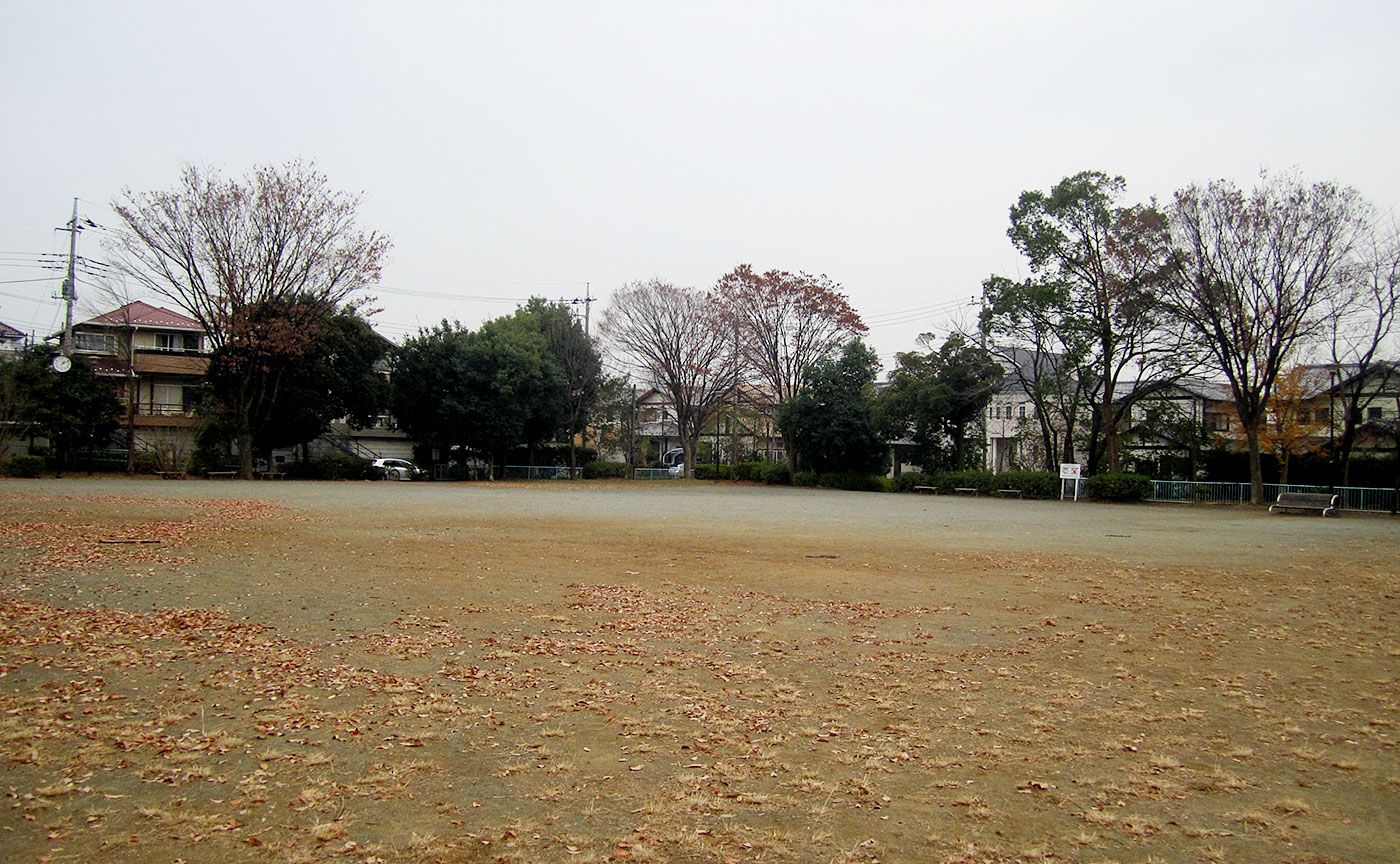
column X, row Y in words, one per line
column 393, row 672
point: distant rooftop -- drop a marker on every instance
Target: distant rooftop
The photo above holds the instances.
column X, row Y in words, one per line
column 141, row 314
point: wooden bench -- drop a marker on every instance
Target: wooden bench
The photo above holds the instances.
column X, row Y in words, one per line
column 966, row 490
column 1009, row 493
column 932, row 490
column 171, row 475
column 1325, row 502
column 212, row 474
column 271, row 475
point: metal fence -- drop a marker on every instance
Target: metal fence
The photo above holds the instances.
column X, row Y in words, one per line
column 652, row 474
column 539, row 472
column 1361, row 498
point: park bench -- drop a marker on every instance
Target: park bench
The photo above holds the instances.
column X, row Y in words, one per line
column 932, row 490
column 271, row 475
column 1325, row 502
column 1009, row 493
column 171, row 475
column 966, row 490
column 213, row 474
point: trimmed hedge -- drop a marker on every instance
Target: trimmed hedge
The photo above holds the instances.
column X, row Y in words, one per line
column 1033, row 484
column 907, row 482
column 1118, row 487
column 333, row 466
column 982, row 481
column 597, row 470
column 24, row 465
column 776, row 474
column 853, row 482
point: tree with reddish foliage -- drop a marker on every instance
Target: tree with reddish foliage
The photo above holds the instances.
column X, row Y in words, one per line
column 258, row 262
column 681, row 342
column 783, row 324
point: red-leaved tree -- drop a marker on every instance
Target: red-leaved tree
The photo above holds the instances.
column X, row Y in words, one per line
column 784, row 323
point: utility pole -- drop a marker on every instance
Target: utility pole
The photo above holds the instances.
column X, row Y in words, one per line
column 70, row 284
column 587, row 306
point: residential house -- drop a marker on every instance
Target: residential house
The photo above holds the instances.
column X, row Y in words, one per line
column 12, row 339
column 746, row 426
column 157, row 359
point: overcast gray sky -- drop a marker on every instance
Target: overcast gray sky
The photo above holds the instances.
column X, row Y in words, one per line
column 512, row 149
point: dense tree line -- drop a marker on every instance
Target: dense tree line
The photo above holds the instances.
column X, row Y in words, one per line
column 525, row 379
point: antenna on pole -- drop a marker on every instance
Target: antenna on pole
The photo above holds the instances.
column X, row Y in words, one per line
column 587, row 306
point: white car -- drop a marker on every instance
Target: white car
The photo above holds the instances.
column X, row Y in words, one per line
column 399, row 469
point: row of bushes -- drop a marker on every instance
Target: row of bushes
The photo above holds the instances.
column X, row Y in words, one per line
column 332, row 466
column 771, row 473
column 1031, row 484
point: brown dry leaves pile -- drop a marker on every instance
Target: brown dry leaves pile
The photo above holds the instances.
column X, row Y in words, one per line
column 1037, row 709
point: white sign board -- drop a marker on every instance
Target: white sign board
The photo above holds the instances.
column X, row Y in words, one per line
column 1069, row 471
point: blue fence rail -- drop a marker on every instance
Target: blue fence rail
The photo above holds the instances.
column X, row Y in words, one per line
column 1360, row 498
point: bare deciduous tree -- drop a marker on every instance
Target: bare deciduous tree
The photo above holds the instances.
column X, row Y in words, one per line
column 228, row 251
column 784, row 323
column 677, row 336
column 1256, row 274
column 1360, row 324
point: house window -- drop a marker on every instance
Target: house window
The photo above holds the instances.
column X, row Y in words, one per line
column 1375, row 413
column 103, row 343
column 167, row 399
column 1021, row 411
column 177, row 342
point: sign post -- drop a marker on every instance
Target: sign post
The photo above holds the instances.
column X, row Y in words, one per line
column 1069, row 471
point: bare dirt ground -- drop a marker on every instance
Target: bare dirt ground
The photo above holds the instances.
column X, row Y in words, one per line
column 393, row 672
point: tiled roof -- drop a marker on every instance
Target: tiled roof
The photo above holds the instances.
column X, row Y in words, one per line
column 142, row 314
column 8, row 332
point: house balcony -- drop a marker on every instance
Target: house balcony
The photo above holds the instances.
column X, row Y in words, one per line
column 165, row 415
column 169, row 363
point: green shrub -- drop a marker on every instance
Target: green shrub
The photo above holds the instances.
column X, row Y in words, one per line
column 749, row 471
column 24, row 465
column 1118, row 487
column 805, row 478
column 853, row 482
column 907, row 482
column 1033, row 484
column 462, row 471
column 597, row 470
column 147, row 462
column 982, row 481
column 776, row 474
column 704, row 471
column 332, row 466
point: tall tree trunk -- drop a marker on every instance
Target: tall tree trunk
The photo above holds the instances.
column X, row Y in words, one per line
column 1110, row 429
column 1256, row 467
column 130, row 426
column 245, row 455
